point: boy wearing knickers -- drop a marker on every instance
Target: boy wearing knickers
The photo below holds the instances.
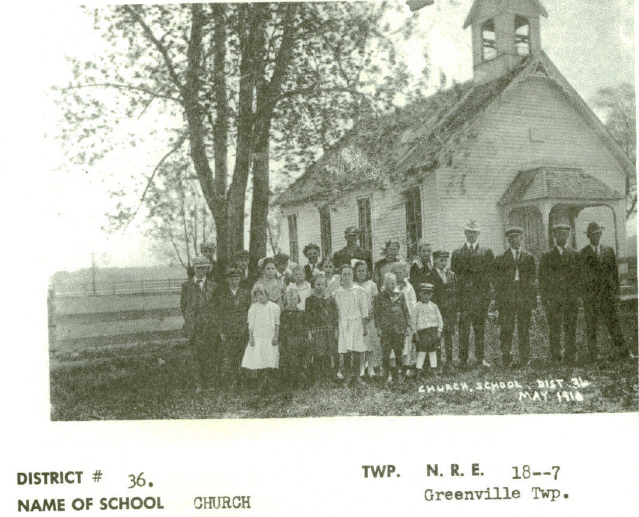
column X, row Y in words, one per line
column 429, row 325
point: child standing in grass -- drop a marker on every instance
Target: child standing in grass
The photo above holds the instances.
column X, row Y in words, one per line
column 428, row 325
column 393, row 323
column 400, row 270
column 371, row 340
column 353, row 321
column 321, row 321
column 262, row 352
column 293, row 341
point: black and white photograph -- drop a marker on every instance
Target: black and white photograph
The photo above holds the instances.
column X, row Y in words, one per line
column 343, row 209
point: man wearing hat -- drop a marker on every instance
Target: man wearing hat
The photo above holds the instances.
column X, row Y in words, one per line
column 472, row 265
column 208, row 249
column 600, row 292
column 352, row 250
column 197, row 303
column 559, row 289
column 516, row 296
column 443, row 281
column 233, row 302
column 241, row 262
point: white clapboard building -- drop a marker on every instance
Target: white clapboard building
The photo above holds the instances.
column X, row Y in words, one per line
column 515, row 146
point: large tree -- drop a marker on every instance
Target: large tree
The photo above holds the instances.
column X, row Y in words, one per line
column 246, row 83
column 618, row 108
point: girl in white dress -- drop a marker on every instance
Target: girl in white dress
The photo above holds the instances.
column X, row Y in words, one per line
column 373, row 350
column 262, row 352
column 299, row 286
column 353, row 320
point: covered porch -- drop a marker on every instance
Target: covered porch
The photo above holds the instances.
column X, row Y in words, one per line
column 539, row 198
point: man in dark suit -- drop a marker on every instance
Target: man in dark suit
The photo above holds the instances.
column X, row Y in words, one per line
column 444, row 296
column 600, row 292
column 352, row 251
column 312, row 253
column 233, row 303
column 516, row 296
column 200, row 324
column 472, row 265
column 559, row 289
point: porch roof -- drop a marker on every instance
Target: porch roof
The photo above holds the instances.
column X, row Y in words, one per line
column 556, row 183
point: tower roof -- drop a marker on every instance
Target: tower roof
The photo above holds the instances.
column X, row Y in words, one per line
column 500, row 5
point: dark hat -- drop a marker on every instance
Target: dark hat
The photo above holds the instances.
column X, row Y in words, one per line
column 241, row 254
column 441, row 253
column 514, row 230
column 281, row 257
column 594, row 228
column 351, row 230
column 200, row 261
column 565, row 227
column 233, row 271
column 426, row 287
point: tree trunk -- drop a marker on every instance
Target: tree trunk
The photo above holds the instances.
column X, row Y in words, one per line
column 261, row 196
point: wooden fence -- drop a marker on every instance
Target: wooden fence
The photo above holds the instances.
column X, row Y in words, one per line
column 153, row 286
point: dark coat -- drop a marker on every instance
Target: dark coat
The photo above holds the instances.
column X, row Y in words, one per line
column 559, row 277
column 309, row 273
column 444, row 295
column 474, row 275
column 391, row 312
column 344, row 256
column 198, row 308
column 599, row 275
column 233, row 310
column 506, row 292
column 418, row 275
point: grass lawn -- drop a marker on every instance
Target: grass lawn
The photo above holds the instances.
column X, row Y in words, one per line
column 155, row 381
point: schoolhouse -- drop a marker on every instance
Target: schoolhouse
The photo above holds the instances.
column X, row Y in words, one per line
column 516, row 145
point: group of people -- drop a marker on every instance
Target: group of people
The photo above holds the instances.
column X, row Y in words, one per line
column 344, row 317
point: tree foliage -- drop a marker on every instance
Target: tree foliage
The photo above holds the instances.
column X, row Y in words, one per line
column 239, row 87
column 618, row 107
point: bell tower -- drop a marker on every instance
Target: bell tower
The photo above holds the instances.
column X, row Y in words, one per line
column 504, row 32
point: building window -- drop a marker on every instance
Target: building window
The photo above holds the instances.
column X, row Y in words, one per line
column 325, row 231
column 522, row 36
column 489, row 47
column 413, row 220
column 293, row 238
column 365, row 225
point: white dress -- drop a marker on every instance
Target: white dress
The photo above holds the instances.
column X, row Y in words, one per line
column 411, row 301
column 352, row 306
column 262, row 319
column 303, row 291
column 371, row 340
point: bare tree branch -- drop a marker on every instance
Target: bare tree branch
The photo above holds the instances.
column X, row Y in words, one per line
column 118, row 86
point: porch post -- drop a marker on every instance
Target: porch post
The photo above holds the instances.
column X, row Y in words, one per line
column 545, row 207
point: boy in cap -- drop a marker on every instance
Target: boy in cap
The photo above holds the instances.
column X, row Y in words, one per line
column 233, row 303
column 473, row 266
column 444, row 283
column 559, row 289
column 600, row 293
column 197, row 303
column 516, row 296
column 428, row 324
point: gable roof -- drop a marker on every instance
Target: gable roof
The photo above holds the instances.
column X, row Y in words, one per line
column 556, row 183
column 423, row 135
column 475, row 8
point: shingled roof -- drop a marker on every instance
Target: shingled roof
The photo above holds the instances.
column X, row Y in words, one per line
column 556, row 183
column 420, row 137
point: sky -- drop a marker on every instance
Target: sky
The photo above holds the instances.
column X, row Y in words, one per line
column 591, row 41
